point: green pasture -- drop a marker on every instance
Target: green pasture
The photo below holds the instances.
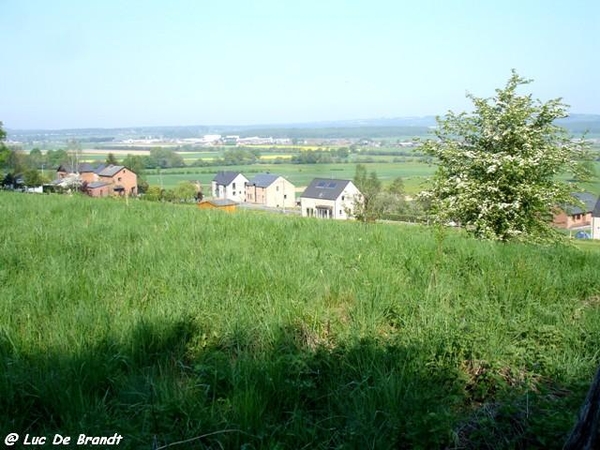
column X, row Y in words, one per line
column 167, row 323
column 414, row 173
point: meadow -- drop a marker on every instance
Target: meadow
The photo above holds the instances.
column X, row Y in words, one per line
column 165, row 323
column 415, row 170
column 414, row 173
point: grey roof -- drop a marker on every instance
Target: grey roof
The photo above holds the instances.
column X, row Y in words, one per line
column 97, row 184
column 325, row 188
column 589, row 201
column 224, row 178
column 263, row 180
column 86, row 167
column 100, row 167
column 110, row 171
column 81, row 168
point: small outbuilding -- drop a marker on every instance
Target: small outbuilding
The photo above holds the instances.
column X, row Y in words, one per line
column 223, row 204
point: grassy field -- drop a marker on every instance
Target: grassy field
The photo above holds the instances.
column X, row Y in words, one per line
column 164, row 322
column 414, row 173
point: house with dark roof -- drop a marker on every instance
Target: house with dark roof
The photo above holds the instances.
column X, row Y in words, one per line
column 84, row 172
column 99, row 181
column 574, row 217
column 229, row 185
column 327, row 198
column 271, row 190
column 596, row 220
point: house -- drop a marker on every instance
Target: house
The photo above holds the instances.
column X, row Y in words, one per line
column 121, row 180
column 596, row 220
column 271, row 190
column 84, row 172
column 221, row 203
column 574, row 217
column 329, row 199
column 98, row 181
column 229, row 185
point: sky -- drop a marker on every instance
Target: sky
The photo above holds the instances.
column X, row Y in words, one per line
column 118, row 63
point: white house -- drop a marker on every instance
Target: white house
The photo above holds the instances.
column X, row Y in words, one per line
column 596, row 221
column 329, row 199
column 230, row 185
column 271, row 190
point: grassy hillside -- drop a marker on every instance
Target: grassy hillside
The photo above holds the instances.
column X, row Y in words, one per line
column 257, row 331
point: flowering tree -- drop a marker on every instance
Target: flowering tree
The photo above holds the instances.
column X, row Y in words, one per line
column 498, row 166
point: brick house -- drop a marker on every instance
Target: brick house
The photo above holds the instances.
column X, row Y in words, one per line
column 574, row 217
column 100, row 181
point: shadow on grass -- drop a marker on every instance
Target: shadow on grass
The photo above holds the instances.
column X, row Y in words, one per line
column 172, row 381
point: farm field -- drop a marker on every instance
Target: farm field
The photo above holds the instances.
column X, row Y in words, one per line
column 414, row 173
column 164, row 323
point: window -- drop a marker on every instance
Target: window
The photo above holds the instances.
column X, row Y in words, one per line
column 284, row 196
column 233, row 185
column 342, row 198
column 277, row 188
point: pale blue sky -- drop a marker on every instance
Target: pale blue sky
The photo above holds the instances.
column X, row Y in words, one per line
column 113, row 63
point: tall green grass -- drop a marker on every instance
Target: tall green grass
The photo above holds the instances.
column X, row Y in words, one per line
column 166, row 322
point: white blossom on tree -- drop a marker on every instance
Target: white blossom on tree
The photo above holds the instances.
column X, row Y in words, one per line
column 498, row 166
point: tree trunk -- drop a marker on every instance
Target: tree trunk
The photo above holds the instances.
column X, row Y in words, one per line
column 584, row 435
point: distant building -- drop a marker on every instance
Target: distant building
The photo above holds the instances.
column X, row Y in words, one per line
column 230, row 140
column 229, row 185
column 596, row 220
column 327, row 198
column 211, row 139
column 574, row 217
column 255, row 140
column 98, row 181
column 271, row 190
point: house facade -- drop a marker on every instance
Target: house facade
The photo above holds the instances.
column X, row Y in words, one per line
column 574, row 217
column 101, row 181
column 229, row 185
column 330, row 199
column 596, row 220
column 271, row 190
column 122, row 181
